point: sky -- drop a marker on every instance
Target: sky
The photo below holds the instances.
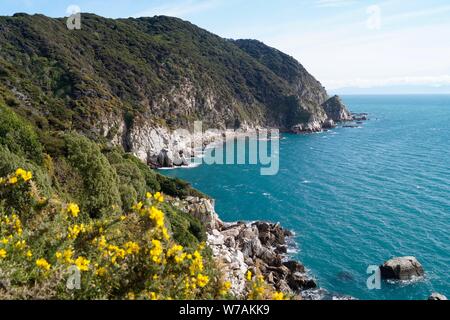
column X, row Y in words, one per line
column 350, row 46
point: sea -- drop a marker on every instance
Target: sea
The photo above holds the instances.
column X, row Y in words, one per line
column 354, row 196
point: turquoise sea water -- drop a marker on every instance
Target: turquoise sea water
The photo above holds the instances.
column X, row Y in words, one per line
column 355, row 197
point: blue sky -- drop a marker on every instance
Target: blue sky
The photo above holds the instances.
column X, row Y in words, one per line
column 344, row 43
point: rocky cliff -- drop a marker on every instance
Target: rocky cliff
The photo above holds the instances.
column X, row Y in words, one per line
column 261, row 247
column 133, row 81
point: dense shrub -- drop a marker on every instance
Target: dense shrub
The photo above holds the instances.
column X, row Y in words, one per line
column 177, row 187
column 9, row 162
column 149, row 175
column 132, row 182
column 117, row 257
column 100, row 181
column 186, row 229
column 18, row 135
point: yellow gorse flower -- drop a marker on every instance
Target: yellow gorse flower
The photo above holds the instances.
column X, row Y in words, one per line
column 25, row 175
column 20, row 245
column 176, row 252
column 65, row 256
column 138, row 206
column 75, row 231
column 2, row 253
column 159, row 197
column 278, row 296
column 12, row 180
column 225, row 288
column 156, row 251
column 196, row 263
column 132, row 248
column 43, row 264
column 73, row 209
column 101, row 271
column 114, row 252
column 157, row 216
column 82, row 263
column 12, row 222
column 202, row 280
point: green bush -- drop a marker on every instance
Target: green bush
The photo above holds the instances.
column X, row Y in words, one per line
column 178, row 188
column 100, row 181
column 149, row 175
column 18, row 135
column 186, row 229
column 135, row 177
column 9, row 162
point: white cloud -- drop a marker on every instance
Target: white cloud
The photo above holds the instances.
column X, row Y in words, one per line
column 420, row 13
column 432, row 81
column 179, row 9
column 350, row 55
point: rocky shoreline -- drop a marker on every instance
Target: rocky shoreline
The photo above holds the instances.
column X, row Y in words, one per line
column 160, row 147
column 261, row 247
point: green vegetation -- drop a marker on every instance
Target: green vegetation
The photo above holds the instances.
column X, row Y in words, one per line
column 67, row 79
column 68, row 196
column 18, row 136
column 71, row 208
column 73, row 168
column 70, row 201
column 121, row 256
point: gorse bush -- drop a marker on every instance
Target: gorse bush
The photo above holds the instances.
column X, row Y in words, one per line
column 18, row 135
column 9, row 161
column 59, row 253
column 132, row 182
column 99, row 178
column 122, row 256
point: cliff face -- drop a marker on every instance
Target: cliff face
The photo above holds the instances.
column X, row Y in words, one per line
column 336, row 110
column 132, row 81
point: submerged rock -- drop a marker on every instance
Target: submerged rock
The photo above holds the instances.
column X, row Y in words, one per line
column 360, row 117
column 345, row 276
column 401, row 268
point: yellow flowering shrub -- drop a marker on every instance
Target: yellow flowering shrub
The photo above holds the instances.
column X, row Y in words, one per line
column 122, row 255
column 259, row 290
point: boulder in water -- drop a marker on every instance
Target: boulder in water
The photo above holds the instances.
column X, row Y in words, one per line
column 401, row 268
column 179, row 159
column 165, row 158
